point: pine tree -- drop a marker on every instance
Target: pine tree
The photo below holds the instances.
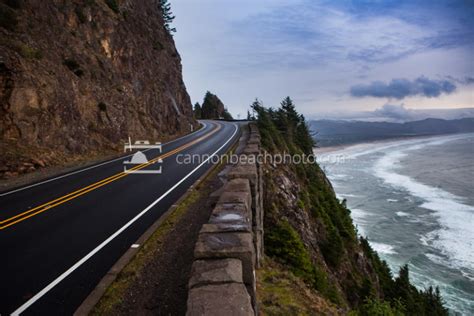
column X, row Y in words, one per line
column 197, row 111
column 168, row 16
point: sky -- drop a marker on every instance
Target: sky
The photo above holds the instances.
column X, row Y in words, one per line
column 335, row 59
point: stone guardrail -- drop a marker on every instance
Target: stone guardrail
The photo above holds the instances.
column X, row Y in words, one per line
column 230, row 245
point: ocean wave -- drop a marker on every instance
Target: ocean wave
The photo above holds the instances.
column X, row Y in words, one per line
column 455, row 218
column 402, row 214
column 382, row 248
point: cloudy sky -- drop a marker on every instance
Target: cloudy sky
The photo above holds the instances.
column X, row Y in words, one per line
column 333, row 58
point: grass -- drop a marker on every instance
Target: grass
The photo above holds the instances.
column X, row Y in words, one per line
column 114, row 293
column 280, row 292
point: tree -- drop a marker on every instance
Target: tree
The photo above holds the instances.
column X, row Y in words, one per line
column 197, row 111
column 213, row 108
column 226, row 115
column 249, row 116
column 168, row 16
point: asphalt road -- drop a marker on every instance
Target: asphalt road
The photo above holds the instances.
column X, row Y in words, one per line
column 58, row 238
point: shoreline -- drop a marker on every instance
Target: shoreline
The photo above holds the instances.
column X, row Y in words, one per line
column 329, row 149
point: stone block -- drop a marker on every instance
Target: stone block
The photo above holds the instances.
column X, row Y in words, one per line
column 228, row 198
column 228, row 245
column 206, row 272
column 226, row 228
column 237, row 185
column 222, row 299
column 231, row 213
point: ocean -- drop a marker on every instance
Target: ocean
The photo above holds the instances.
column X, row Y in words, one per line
column 414, row 200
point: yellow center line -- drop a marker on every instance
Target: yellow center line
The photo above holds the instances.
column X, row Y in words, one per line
column 63, row 199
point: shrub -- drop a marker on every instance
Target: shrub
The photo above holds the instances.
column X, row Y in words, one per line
column 102, row 106
column 15, row 4
column 7, row 18
column 80, row 15
column 29, row 52
column 157, row 45
column 73, row 66
column 113, row 5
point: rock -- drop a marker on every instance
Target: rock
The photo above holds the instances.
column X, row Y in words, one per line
column 226, row 228
column 230, row 213
column 233, row 300
column 215, row 271
column 38, row 163
column 228, row 245
column 243, row 198
column 79, row 86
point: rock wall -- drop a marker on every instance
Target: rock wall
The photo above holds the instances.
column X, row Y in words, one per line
column 81, row 76
column 230, row 245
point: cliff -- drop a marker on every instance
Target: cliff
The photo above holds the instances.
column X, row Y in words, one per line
column 79, row 77
column 315, row 261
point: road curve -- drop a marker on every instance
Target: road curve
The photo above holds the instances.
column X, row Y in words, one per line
column 59, row 237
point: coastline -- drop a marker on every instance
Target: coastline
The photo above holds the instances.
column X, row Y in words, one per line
column 328, row 149
column 425, row 211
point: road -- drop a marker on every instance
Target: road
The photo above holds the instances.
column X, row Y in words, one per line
column 59, row 237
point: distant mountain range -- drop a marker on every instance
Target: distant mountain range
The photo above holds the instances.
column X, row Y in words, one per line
column 339, row 132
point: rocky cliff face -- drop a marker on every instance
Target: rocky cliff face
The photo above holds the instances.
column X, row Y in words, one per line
column 81, row 76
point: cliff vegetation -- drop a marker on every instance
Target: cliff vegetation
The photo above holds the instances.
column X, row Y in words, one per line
column 310, row 236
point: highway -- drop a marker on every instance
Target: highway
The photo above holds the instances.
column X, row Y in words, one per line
column 59, row 237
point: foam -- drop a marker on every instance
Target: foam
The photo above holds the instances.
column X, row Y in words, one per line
column 456, row 236
column 402, row 214
column 392, row 200
column 382, row 248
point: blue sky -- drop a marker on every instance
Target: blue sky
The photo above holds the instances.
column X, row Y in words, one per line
column 332, row 57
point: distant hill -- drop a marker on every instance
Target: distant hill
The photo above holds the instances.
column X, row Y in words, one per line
column 338, row 132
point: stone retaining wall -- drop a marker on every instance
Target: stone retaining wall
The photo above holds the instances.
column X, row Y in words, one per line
column 230, row 245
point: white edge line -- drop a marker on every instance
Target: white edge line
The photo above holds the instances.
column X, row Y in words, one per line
column 50, row 286
column 91, row 167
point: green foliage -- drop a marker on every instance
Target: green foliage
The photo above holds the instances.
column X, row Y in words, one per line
column 113, row 5
column 284, row 130
column 226, row 115
column 197, row 111
column 168, row 16
column 7, row 17
column 158, row 46
column 29, row 52
column 213, row 108
column 400, row 290
column 375, row 307
column 73, row 66
column 283, row 243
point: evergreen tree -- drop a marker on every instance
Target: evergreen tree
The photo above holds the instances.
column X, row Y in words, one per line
column 168, row 16
column 213, row 108
column 197, row 111
column 226, row 115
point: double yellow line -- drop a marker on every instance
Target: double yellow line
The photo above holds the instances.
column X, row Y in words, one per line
column 70, row 196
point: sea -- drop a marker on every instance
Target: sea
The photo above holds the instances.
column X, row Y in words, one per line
column 414, row 200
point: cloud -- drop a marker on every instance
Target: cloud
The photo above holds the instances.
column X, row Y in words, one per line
column 396, row 112
column 401, row 88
